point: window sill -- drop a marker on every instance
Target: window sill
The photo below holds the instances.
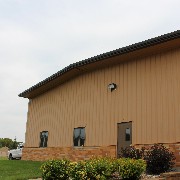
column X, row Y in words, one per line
column 85, row 147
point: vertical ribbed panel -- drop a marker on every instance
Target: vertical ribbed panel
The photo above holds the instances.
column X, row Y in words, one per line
column 148, row 94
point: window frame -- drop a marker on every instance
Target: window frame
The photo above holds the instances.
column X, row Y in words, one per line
column 80, row 137
column 44, row 140
column 128, row 134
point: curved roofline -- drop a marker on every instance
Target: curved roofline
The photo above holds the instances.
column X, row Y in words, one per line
column 124, row 50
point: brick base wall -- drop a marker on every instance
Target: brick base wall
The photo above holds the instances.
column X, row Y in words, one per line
column 83, row 153
column 174, row 147
column 170, row 176
column 72, row 153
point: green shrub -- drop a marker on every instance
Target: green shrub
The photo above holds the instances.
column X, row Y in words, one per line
column 94, row 169
column 159, row 159
column 132, row 152
column 130, row 168
column 77, row 170
column 55, row 169
column 100, row 168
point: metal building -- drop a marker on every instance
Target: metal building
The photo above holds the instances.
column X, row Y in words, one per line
column 96, row 106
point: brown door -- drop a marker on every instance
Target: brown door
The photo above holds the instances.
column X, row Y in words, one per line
column 124, row 136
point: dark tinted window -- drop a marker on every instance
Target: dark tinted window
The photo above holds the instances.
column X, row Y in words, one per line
column 127, row 134
column 79, row 136
column 43, row 138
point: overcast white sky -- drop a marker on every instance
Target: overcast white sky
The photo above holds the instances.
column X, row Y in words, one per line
column 40, row 37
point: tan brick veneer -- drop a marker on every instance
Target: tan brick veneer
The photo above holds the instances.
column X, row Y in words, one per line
column 170, row 176
column 72, row 153
column 81, row 153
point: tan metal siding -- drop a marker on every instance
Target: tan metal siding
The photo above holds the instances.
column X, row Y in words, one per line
column 147, row 94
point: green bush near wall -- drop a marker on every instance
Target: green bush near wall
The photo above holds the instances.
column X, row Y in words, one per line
column 94, row 169
column 55, row 169
column 130, row 168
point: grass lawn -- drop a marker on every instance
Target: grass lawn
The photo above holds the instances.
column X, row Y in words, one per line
column 19, row 169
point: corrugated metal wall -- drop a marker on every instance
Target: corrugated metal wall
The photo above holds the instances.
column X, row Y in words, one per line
column 148, row 94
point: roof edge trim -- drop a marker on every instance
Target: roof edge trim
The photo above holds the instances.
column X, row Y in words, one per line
column 116, row 52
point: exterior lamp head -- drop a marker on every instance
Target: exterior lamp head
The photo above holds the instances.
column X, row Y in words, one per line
column 112, row 86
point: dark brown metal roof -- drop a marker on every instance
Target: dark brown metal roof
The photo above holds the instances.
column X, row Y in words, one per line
column 134, row 47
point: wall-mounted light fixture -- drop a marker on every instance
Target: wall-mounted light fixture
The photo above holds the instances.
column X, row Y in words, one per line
column 112, row 86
